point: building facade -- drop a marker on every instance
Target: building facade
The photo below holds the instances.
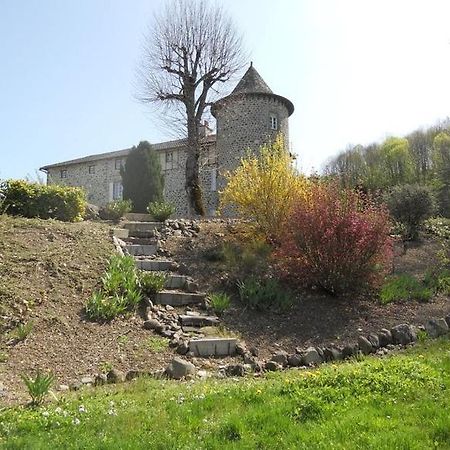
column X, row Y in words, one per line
column 250, row 116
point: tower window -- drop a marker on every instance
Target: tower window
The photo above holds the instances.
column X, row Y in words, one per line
column 274, row 122
column 63, row 173
column 117, row 193
column 118, row 163
column 169, row 160
column 91, row 169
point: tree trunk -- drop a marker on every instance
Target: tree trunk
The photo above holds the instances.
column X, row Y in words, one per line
column 192, row 186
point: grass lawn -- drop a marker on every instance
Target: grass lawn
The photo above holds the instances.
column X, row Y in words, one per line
column 399, row 402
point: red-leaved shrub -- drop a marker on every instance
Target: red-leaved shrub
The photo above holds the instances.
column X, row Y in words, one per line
column 337, row 240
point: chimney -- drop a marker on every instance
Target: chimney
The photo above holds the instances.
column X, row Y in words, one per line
column 204, row 130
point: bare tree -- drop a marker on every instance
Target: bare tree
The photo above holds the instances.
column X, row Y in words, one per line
column 191, row 48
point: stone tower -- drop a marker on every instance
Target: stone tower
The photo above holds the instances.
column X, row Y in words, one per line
column 250, row 116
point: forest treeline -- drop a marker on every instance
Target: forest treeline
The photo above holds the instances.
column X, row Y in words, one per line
column 421, row 157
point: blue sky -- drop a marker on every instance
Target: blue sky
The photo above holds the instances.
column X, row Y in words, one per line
column 355, row 70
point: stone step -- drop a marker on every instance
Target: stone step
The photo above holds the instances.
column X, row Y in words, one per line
column 188, row 320
column 157, row 265
column 137, row 217
column 175, row 281
column 120, row 233
column 141, row 250
column 142, row 227
column 213, row 347
column 178, row 298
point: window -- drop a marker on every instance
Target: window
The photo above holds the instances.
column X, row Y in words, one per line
column 273, row 122
column 63, row 173
column 169, row 160
column 117, row 193
column 211, row 155
column 118, row 163
column 91, row 169
column 213, row 180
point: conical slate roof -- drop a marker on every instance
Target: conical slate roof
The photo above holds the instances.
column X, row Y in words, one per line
column 252, row 83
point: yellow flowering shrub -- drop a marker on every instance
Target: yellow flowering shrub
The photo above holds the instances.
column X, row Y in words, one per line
column 263, row 188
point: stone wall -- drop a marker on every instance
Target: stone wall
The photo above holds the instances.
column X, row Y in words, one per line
column 243, row 123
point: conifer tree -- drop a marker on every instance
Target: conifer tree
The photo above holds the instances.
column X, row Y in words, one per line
column 142, row 178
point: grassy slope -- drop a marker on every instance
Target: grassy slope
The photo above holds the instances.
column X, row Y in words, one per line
column 398, row 402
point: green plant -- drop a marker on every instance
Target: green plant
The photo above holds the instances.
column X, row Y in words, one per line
column 120, row 290
column 22, row 198
column 438, row 280
column 219, row 302
column 115, row 210
column 422, row 335
column 39, row 386
column 105, row 307
column 160, row 211
column 264, row 293
column 3, row 357
column 411, row 205
column 152, row 282
column 403, row 288
column 22, row 331
column 157, row 344
column 438, row 226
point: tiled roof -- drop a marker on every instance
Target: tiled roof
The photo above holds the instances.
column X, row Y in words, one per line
column 122, row 153
column 252, row 83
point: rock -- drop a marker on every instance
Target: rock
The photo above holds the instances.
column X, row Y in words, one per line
column 403, row 334
column 447, row 319
column 115, row 376
column 87, row 380
column 167, row 333
column 192, row 286
column 241, row 349
column 436, row 327
column 249, row 359
column 177, row 233
column 332, row 354
column 183, row 348
column 100, row 379
column 235, row 370
column 311, row 357
column 280, row 357
column 295, row 360
column 272, row 366
column 373, row 339
column 91, row 212
column 384, row 337
column 63, row 388
column 203, row 374
column 75, row 386
column 153, row 324
column 364, row 345
column 178, row 368
column 348, row 351
column 133, row 374
column 170, row 308
column 254, row 351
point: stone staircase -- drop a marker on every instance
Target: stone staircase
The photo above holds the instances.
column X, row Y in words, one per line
column 178, row 311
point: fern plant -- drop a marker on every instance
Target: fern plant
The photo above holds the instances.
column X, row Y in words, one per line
column 39, row 386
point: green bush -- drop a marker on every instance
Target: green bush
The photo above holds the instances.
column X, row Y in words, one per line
column 120, row 290
column 264, row 294
column 411, row 205
column 219, row 302
column 160, row 211
column 115, row 210
column 22, row 198
column 438, row 280
column 438, row 226
column 152, row 282
column 38, row 387
column 404, row 287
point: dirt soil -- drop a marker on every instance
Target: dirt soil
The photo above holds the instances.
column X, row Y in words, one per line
column 48, row 270
column 316, row 318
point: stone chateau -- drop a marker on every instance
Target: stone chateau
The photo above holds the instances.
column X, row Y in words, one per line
column 251, row 115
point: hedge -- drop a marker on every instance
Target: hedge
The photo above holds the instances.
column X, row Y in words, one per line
column 22, row 198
